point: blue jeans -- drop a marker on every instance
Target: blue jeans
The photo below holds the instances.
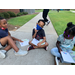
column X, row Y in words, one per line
column 54, row 51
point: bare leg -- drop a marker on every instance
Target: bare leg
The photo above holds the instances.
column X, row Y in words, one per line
column 41, row 46
column 10, row 42
column 31, row 43
column 8, row 47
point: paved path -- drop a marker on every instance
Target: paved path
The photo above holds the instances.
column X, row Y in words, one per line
column 34, row 57
column 73, row 11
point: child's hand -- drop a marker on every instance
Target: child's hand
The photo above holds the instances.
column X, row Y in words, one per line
column 39, row 44
column 20, row 40
column 60, row 51
column 36, row 30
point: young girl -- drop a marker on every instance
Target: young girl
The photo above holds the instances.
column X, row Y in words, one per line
column 65, row 42
column 7, row 41
column 39, row 34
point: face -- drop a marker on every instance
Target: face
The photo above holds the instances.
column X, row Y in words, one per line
column 3, row 23
column 41, row 24
column 67, row 35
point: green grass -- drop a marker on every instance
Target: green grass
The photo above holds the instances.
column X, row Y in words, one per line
column 60, row 20
column 19, row 21
column 39, row 10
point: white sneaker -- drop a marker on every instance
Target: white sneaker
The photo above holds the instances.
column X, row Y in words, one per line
column 2, row 54
column 57, row 61
column 48, row 22
column 21, row 53
column 1, row 46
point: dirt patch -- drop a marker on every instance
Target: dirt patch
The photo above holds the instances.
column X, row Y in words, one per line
column 12, row 28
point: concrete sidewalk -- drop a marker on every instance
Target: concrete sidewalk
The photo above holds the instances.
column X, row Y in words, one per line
column 73, row 11
column 36, row 56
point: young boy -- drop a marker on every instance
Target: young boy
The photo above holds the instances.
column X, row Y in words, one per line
column 39, row 34
column 7, row 40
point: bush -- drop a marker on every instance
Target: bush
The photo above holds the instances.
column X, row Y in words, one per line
column 12, row 14
column 22, row 13
column 25, row 13
column 1, row 15
column 6, row 15
column 19, row 14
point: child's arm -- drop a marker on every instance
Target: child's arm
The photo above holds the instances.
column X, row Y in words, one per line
column 35, row 32
column 9, row 34
column 14, row 38
column 44, row 40
column 57, row 44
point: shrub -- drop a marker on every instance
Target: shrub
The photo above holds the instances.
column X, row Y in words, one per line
column 25, row 13
column 6, row 15
column 1, row 15
column 12, row 14
column 22, row 13
column 19, row 14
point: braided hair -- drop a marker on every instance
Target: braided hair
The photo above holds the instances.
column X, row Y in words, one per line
column 70, row 28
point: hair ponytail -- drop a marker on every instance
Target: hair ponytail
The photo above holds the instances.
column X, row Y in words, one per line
column 71, row 28
column 69, row 24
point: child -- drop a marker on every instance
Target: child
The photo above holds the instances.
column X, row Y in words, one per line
column 65, row 42
column 7, row 40
column 39, row 34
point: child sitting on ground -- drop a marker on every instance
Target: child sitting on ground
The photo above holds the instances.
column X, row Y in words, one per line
column 39, row 34
column 65, row 42
column 7, row 41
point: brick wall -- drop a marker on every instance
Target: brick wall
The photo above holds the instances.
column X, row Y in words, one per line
column 12, row 10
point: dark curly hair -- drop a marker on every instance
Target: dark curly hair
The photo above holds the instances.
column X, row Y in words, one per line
column 70, row 28
column 1, row 18
column 42, row 21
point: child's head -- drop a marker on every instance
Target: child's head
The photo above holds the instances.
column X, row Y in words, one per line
column 3, row 23
column 69, row 32
column 41, row 23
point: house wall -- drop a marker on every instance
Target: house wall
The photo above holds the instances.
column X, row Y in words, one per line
column 12, row 10
column 30, row 11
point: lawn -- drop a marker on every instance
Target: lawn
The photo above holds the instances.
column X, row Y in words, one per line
column 39, row 10
column 19, row 21
column 60, row 20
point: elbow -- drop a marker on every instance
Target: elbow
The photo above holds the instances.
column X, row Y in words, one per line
column 33, row 37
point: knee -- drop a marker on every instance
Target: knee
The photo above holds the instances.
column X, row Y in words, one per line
column 29, row 42
column 15, row 42
column 46, row 44
column 39, row 46
column 52, row 51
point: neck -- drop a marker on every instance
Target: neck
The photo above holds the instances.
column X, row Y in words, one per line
column 2, row 28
